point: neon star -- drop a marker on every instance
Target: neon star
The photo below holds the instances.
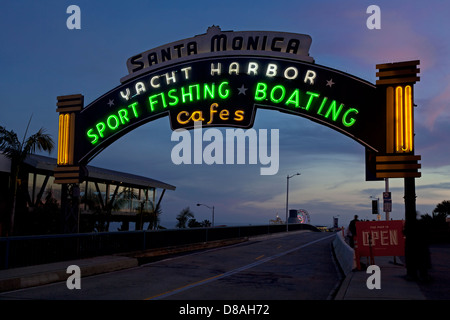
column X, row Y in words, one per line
column 330, row 83
column 242, row 90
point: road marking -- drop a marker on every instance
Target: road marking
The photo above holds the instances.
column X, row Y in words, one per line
column 232, row 272
column 257, row 258
column 169, row 293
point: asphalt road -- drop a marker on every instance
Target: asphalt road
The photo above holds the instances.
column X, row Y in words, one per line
column 297, row 266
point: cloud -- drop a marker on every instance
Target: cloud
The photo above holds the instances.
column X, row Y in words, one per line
column 407, row 33
column 438, row 108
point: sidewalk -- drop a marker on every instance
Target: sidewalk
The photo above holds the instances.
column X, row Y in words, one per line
column 394, row 285
column 18, row 278
column 24, row 277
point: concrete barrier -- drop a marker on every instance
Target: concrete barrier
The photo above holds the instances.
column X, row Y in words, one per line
column 141, row 255
column 344, row 254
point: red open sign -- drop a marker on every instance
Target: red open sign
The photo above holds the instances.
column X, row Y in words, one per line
column 380, row 238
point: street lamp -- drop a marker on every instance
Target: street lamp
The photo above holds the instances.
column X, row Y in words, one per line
column 287, row 198
column 201, row 204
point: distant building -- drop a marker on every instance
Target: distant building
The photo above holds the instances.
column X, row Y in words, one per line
column 130, row 193
column 299, row 216
column 277, row 220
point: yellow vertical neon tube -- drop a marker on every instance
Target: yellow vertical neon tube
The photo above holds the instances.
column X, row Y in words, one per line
column 404, row 119
column 71, row 139
column 399, row 118
column 66, row 138
column 60, row 138
column 408, row 120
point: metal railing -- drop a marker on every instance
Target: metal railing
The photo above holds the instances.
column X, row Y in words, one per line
column 20, row 251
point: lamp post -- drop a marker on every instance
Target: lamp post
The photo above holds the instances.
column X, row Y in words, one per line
column 201, row 204
column 387, row 209
column 287, row 198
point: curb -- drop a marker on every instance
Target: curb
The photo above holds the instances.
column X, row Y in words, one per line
column 342, row 290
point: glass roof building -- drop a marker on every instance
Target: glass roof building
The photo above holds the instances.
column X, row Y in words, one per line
column 105, row 196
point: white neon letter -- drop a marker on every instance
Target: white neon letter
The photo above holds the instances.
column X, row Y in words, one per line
column 216, row 70
column 271, row 70
column 152, row 82
column 310, row 76
column 252, row 68
column 126, row 96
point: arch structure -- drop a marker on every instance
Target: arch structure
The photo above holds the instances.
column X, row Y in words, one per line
column 222, row 78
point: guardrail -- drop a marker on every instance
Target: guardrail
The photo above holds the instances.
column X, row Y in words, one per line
column 23, row 251
column 345, row 255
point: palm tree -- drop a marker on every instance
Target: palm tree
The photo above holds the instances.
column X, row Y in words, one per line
column 183, row 217
column 153, row 216
column 17, row 151
column 442, row 209
column 102, row 212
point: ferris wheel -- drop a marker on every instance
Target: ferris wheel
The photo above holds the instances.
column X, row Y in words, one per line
column 303, row 216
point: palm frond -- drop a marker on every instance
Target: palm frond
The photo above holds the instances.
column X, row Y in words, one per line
column 9, row 142
column 39, row 140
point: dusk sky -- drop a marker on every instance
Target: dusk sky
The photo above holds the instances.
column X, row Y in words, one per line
column 40, row 59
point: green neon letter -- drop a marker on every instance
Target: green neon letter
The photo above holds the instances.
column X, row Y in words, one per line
column 324, row 100
column 349, row 123
column 223, row 94
column 152, row 102
column 208, row 91
column 332, row 108
column 100, row 128
column 133, row 107
column 173, row 97
column 294, row 99
column 281, row 97
column 163, row 98
column 91, row 134
column 190, row 94
column 108, row 121
column 260, row 88
column 123, row 116
column 312, row 95
column 184, row 94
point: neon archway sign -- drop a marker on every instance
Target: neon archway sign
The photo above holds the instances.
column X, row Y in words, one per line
column 222, row 79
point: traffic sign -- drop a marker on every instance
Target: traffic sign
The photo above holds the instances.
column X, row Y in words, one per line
column 387, row 205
